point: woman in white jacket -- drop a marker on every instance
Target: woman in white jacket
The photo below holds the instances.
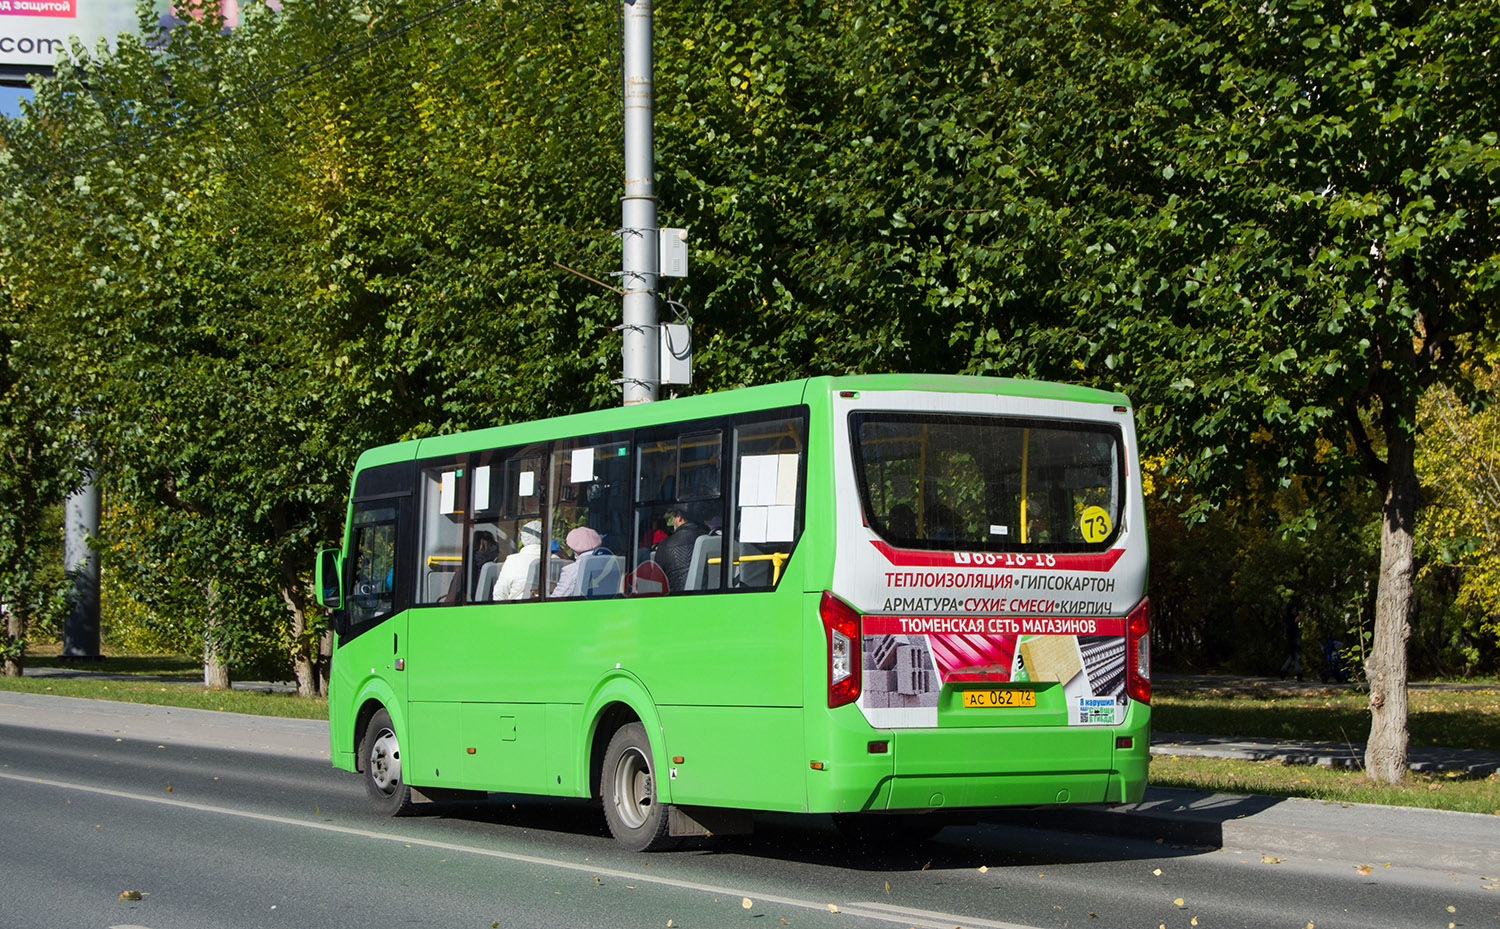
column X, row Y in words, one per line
column 511, row 584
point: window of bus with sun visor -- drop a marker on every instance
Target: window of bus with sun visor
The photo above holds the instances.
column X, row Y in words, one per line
column 989, row 483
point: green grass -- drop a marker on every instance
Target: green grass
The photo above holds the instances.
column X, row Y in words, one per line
column 1459, row 719
column 167, row 694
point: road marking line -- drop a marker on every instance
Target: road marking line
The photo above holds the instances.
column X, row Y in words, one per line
column 875, row 911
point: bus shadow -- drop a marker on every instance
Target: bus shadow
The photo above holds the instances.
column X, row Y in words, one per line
column 1170, row 825
column 996, row 841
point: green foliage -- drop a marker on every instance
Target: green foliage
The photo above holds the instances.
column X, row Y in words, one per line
column 246, row 260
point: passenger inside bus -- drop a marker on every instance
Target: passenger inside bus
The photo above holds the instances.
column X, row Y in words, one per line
column 583, row 542
column 675, row 552
column 517, row 580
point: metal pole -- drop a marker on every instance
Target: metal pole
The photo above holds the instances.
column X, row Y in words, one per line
column 81, row 628
column 638, row 234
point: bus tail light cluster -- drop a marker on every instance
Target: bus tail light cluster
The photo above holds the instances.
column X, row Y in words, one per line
column 1138, row 652
column 841, row 625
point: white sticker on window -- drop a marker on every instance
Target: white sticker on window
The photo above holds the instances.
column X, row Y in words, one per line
column 446, row 492
column 786, row 481
column 758, row 474
column 526, row 487
column 583, row 465
column 482, row 487
column 753, row 523
column 781, row 522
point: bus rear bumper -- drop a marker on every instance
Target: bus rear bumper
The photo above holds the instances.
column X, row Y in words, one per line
column 970, row 768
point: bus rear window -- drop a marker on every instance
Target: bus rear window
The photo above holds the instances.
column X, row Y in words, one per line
column 988, row 483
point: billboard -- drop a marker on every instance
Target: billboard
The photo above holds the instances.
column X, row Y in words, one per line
column 34, row 32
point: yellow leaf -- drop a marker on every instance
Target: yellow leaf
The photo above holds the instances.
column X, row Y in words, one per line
column 130, row 895
column 669, row 924
column 747, row 903
column 495, row 925
column 887, row 886
column 1363, row 869
column 984, row 869
column 1178, row 902
column 1157, row 872
column 1195, row 920
column 832, row 908
column 1452, row 910
column 1270, row 859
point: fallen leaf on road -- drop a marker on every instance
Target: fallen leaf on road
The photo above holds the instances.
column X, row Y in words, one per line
column 131, row 895
column 1157, row 872
column 984, row 869
column 747, row 903
column 1178, row 902
column 1270, row 859
column 1363, row 869
column 832, row 908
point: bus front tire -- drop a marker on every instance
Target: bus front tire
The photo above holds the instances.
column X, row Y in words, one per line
column 628, row 785
column 381, row 753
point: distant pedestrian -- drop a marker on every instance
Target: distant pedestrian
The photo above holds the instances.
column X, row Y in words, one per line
column 1293, row 643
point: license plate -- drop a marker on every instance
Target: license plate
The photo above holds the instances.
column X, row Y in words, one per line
column 986, row 699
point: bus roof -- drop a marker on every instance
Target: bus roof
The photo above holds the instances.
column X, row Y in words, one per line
column 787, row 393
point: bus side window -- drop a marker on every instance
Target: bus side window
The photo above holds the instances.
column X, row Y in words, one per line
column 440, row 569
column 506, row 525
column 590, row 481
column 680, row 511
column 768, row 499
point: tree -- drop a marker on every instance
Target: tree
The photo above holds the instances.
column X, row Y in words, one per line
column 1284, row 233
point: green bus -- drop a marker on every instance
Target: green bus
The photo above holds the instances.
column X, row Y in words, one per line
column 897, row 599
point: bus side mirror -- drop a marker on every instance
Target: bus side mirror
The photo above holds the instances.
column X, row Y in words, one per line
column 328, row 579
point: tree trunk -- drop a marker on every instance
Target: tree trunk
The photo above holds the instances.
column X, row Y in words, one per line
column 14, row 664
column 1385, row 755
column 304, row 667
column 215, row 663
column 325, row 661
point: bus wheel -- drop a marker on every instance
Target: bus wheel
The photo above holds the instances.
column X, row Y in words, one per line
column 382, row 762
column 628, row 783
column 876, row 829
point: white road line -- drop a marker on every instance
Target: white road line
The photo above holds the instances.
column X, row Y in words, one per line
column 874, row 911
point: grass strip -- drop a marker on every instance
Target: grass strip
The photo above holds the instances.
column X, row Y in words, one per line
column 159, row 693
column 1458, row 719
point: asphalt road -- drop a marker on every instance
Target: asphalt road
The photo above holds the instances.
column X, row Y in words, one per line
column 267, row 837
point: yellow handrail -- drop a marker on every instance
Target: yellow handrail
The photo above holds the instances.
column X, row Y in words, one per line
column 777, row 559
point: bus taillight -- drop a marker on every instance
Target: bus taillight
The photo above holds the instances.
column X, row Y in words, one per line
column 841, row 624
column 1138, row 652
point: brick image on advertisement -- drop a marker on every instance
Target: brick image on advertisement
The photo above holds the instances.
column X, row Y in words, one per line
column 880, row 651
column 876, row 679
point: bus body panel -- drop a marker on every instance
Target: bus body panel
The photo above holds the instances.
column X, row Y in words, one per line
column 736, row 756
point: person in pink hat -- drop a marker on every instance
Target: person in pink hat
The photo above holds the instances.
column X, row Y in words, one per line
column 581, row 541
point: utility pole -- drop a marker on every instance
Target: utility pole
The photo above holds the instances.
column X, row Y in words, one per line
column 639, row 245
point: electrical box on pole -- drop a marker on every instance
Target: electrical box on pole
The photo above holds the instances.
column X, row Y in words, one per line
column 674, row 253
column 676, row 354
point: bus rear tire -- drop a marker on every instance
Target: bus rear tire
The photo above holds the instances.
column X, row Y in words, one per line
column 381, row 754
column 627, row 783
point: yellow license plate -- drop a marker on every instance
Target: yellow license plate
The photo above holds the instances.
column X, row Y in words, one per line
column 987, row 699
